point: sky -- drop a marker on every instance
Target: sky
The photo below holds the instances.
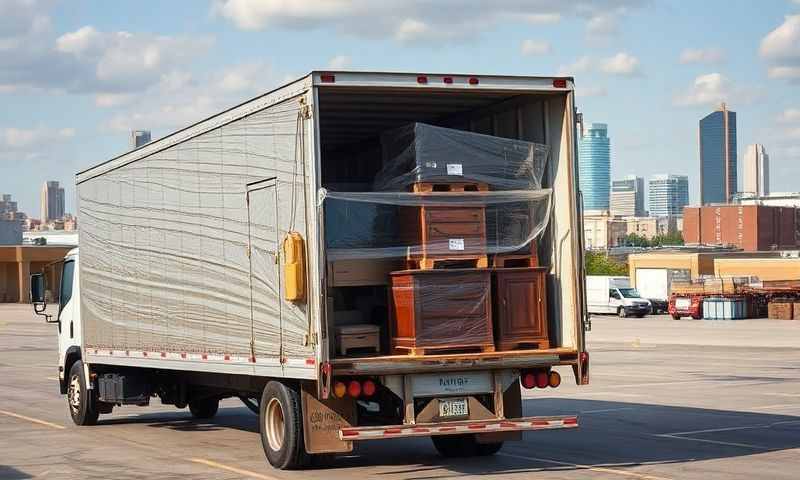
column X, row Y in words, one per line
column 76, row 76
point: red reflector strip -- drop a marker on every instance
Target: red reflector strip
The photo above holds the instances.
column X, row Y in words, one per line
column 327, row 78
column 349, row 433
column 390, row 431
column 540, row 424
column 420, row 430
column 560, row 83
column 448, row 80
column 473, row 80
column 447, row 429
column 570, row 421
column 422, row 79
column 476, row 427
column 310, row 361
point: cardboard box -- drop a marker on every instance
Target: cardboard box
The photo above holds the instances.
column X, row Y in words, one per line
column 780, row 310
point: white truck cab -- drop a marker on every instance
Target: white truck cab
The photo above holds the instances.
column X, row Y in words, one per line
column 615, row 295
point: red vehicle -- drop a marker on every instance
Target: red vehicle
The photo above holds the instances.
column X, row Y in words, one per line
column 686, row 306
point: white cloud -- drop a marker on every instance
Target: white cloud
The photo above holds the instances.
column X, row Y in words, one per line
column 789, row 73
column 714, row 88
column 339, row 62
column 622, row 64
column 585, row 92
column 108, row 100
column 702, row 55
column 543, row 18
column 31, row 139
column 781, row 48
column 416, row 20
column 581, row 65
column 245, row 77
column 79, row 41
column 535, row 47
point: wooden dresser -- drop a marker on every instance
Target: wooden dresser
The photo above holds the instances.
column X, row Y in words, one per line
column 436, row 232
column 441, row 310
column 520, row 311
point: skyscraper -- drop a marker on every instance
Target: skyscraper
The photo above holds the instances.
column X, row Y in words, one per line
column 756, row 171
column 718, row 156
column 594, row 157
column 627, row 197
column 668, row 195
column 139, row 138
column 52, row 201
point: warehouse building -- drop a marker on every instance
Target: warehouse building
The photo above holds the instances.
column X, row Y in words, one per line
column 748, row 227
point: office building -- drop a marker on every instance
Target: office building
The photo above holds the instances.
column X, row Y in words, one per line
column 52, row 201
column 627, row 197
column 668, row 195
column 594, row 158
column 756, row 171
column 718, row 156
column 139, row 138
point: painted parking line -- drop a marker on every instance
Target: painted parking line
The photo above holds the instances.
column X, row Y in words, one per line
column 687, row 435
column 228, row 468
column 715, row 442
column 593, row 468
column 33, row 420
column 782, row 406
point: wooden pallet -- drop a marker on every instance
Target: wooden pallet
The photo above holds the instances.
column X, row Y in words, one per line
column 421, row 351
column 428, row 263
column 515, row 261
column 427, row 187
column 526, row 345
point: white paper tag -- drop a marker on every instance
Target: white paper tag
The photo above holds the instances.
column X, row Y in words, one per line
column 430, row 164
column 456, row 244
column 454, row 169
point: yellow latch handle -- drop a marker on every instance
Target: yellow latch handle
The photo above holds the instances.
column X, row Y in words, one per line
column 294, row 268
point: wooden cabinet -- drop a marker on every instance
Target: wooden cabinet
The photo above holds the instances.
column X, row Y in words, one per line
column 520, row 308
column 445, row 232
column 441, row 310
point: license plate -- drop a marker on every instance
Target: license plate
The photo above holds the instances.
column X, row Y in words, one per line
column 453, row 407
column 682, row 303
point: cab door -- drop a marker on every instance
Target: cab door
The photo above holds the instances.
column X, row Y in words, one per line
column 68, row 316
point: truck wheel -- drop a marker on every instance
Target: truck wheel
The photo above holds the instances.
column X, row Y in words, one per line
column 82, row 401
column 621, row 312
column 464, row 446
column 676, row 317
column 205, row 408
column 281, row 425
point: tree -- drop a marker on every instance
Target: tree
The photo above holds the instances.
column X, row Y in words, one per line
column 599, row 264
column 635, row 240
column 674, row 238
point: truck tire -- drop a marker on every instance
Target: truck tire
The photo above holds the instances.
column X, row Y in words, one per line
column 621, row 312
column 453, row 446
column 82, row 402
column 205, row 408
column 281, row 427
column 676, row 317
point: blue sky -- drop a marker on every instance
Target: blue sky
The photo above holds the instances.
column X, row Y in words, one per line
column 76, row 76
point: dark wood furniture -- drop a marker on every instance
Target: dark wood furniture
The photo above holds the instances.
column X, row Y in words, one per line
column 520, row 308
column 441, row 310
column 444, row 233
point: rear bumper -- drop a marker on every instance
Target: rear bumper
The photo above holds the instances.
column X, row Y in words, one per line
column 458, row 428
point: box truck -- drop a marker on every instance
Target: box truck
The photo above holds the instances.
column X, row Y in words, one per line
column 614, row 295
column 215, row 262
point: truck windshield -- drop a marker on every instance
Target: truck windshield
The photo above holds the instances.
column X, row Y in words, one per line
column 629, row 292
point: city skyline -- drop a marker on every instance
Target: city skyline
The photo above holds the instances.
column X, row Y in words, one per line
column 594, row 160
column 755, row 180
column 718, row 156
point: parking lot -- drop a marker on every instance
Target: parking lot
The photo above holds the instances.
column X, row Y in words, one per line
column 668, row 400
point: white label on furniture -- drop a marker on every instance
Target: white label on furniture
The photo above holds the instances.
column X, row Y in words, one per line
column 454, row 169
column 456, row 244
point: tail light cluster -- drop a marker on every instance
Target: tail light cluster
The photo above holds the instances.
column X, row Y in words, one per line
column 354, row 388
column 540, row 378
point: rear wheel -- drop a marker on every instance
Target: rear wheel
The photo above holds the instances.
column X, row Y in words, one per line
column 464, row 446
column 281, row 425
column 82, row 401
column 205, row 408
column 676, row 317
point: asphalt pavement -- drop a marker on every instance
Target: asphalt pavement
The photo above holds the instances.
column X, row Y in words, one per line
column 668, row 400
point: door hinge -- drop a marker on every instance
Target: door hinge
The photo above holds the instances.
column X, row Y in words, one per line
column 587, row 324
column 247, row 249
column 309, row 339
column 305, row 109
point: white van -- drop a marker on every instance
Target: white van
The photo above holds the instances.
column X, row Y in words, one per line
column 615, row 295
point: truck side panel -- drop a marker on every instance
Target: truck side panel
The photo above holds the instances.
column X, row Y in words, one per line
column 165, row 238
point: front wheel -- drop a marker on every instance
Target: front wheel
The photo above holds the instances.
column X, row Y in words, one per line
column 453, row 446
column 82, row 401
column 281, row 425
column 621, row 312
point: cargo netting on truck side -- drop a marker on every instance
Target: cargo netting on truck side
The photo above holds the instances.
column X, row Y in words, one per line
column 403, row 225
column 418, row 152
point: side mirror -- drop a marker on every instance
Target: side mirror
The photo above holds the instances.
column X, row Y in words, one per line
column 38, row 295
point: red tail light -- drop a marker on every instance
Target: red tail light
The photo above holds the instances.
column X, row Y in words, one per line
column 560, row 83
column 448, row 80
column 422, row 79
column 528, row 380
column 473, row 80
column 327, row 78
column 354, row 389
column 542, row 379
column 368, row 388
